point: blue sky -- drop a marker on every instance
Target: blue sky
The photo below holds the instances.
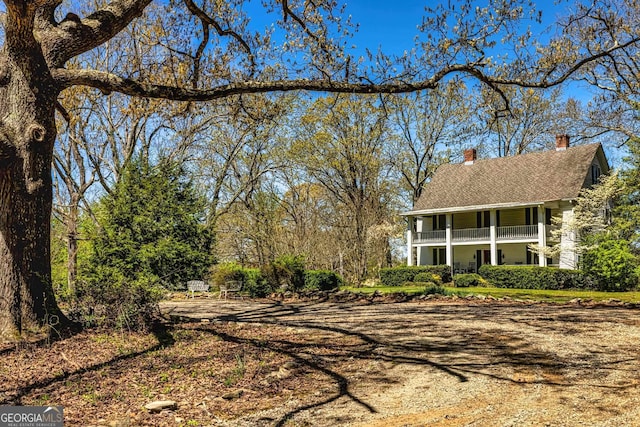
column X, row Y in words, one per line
column 392, row 25
column 386, row 24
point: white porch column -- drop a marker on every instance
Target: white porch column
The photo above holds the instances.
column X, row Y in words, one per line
column 419, row 228
column 448, row 239
column 542, row 236
column 493, row 237
column 410, row 240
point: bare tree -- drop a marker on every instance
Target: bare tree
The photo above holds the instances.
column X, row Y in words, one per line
column 615, row 75
column 230, row 148
column 340, row 144
column 73, row 177
column 427, row 127
column 527, row 126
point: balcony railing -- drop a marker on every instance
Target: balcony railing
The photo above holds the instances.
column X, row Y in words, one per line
column 512, row 232
column 436, row 236
column 515, row 232
column 470, row 234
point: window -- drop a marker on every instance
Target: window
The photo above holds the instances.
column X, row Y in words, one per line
column 530, row 216
column 595, row 173
column 483, row 219
column 439, row 222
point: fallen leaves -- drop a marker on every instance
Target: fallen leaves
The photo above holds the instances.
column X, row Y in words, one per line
column 211, row 372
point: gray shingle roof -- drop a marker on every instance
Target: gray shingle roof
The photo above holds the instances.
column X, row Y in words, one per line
column 526, row 178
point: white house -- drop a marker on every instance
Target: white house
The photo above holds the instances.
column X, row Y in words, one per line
column 489, row 211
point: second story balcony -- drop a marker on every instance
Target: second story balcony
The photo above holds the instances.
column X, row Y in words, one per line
column 507, row 233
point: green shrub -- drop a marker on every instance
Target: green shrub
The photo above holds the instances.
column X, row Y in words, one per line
column 613, row 265
column 253, row 280
column 321, row 280
column 255, row 284
column 535, row 277
column 115, row 302
column 428, row 277
column 429, row 288
column 396, row 276
column 286, row 273
column 434, row 289
column 467, row 280
column 226, row 272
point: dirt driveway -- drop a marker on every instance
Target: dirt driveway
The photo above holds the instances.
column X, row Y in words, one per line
column 444, row 363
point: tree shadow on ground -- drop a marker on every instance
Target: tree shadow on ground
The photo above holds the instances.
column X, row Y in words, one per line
column 462, row 354
column 334, row 340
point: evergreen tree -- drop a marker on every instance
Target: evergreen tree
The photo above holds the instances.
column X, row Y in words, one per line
column 627, row 212
column 152, row 229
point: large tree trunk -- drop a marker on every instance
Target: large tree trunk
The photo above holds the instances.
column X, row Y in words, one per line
column 27, row 134
column 26, row 295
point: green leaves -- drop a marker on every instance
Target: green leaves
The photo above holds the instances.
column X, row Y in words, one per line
column 613, row 264
column 151, row 228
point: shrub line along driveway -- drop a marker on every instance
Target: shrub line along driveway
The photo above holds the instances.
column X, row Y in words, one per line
column 455, row 363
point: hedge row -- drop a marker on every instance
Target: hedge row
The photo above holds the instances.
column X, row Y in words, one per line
column 397, row 276
column 280, row 276
column 535, row 277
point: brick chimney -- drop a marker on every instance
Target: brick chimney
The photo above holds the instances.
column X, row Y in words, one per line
column 470, row 156
column 562, row 142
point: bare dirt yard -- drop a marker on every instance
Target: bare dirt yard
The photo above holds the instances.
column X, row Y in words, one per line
column 270, row 363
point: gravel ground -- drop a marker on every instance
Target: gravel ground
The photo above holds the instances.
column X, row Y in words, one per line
column 464, row 363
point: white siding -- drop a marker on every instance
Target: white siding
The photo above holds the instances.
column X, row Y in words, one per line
column 464, row 220
column 510, row 217
column 514, row 253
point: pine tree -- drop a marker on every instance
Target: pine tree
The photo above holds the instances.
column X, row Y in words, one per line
column 152, row 229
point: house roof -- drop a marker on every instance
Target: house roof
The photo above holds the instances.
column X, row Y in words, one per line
column 510, row 181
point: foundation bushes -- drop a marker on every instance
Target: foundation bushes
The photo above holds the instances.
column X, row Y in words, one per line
column 398, row 276
column 469, row 280
column 535, row 277
column 428, row 277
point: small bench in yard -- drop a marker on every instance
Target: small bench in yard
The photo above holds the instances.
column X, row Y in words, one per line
column 194, row 286
column 233, row 286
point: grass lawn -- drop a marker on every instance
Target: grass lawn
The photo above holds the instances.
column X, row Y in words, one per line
column 548, row 295
column 534, row 294
column 411, row 290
